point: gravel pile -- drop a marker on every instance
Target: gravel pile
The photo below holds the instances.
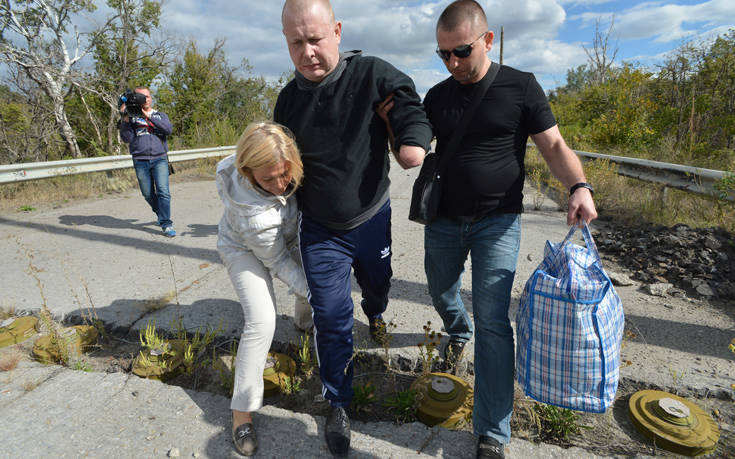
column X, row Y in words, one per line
column 696, row 262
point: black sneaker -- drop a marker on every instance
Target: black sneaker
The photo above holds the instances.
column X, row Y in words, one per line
column 337, row 432
column 378, row 331
column 246, row 443
column 489, row 448
column 452, row 356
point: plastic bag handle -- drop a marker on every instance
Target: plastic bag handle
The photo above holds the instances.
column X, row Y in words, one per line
column 588, row 239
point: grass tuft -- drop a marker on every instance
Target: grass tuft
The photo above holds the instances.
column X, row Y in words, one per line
column 28, row 386
column 364, row 397
column 306, row 357
column 10, row 361
column 555, row 423
column 403, row 406
column 161, row 302
column 7, row 312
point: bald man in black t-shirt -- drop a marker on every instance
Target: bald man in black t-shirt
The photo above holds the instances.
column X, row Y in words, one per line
column 481, row 205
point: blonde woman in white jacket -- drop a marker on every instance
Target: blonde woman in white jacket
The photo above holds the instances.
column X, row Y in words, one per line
column 258, row 240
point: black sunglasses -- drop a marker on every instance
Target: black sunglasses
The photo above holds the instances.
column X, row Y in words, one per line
column 459, row 51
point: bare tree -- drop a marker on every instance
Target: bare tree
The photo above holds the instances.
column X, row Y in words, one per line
column 34, row 39
column 129, row 54
column 602, row 55
column 27, row 130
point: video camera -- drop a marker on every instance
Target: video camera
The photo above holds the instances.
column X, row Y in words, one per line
column 133, row 103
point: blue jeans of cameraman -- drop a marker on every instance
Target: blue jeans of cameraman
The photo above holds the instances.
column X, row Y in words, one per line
column 493, row 244
column 153, row 181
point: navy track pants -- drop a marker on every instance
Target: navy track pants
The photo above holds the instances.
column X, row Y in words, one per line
column 329, row 256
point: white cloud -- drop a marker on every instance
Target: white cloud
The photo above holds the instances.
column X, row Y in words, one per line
column 549, row 62
column 584, row 2
column 523, row 19
column 252, row 30
column 402, row 32
column 424, row 79
column 666, row 23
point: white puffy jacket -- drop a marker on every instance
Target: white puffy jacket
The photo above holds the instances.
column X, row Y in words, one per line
column 259, row 222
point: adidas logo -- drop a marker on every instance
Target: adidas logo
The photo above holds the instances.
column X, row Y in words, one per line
column 385, row 252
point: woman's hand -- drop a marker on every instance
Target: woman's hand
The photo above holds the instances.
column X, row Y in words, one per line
column 384, row 107
column 382, row 110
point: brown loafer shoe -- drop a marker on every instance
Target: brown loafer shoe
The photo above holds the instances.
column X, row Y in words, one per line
column 246, row 443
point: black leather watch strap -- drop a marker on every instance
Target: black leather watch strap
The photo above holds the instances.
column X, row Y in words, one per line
column 579, row 185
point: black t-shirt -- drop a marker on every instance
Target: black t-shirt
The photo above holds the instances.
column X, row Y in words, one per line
column 486, row 174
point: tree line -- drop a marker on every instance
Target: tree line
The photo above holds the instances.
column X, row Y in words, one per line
column 681, row 111
column 60, row 87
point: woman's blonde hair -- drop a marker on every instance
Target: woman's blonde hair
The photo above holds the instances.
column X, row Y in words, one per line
column 266, row 144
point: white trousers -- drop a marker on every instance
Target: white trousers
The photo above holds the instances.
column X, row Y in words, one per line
column 254, row 287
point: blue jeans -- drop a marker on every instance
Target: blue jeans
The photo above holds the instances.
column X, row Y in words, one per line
column 493, row 245
column 153, row 181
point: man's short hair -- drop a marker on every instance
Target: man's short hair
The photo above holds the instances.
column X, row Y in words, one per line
column 304, row 3
column 461, row 11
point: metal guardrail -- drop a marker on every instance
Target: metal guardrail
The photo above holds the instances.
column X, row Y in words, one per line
column 693, row 179
column 47, row 169
column 687, row 178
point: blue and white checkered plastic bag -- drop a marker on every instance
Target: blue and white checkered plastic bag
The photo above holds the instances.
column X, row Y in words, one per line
column 570, row 329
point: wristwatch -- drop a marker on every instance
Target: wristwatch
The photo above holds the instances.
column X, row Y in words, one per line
column 579, row 185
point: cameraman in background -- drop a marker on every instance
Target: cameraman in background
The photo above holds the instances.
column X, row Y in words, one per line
column 145, row 130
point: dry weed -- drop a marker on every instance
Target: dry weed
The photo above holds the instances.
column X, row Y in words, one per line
column 161, row 302
column 47, row 191
column 28, row 386
column 7, row 312
column 48, row 325
column 10, row 360
column 633, row 201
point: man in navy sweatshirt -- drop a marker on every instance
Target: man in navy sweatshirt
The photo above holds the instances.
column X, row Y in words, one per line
column 344, row 198
column 146, row 136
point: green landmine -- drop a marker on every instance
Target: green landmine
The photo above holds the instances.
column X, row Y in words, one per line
column 447, row 400
column 673, row 423
column 161, row 363
column 14, row 331
column 278, row 367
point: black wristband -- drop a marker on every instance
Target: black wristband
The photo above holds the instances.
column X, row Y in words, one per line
column 581, row 185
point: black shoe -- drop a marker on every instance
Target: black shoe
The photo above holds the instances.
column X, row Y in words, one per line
column 246, row 443
column 337, row 432
column 490, row 448
column 378, row 331
column 452, row 356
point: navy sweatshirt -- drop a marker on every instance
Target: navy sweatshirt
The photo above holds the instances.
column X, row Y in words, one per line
column 147, row 137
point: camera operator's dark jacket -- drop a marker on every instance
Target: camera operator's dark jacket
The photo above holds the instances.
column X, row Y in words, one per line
column 147, row 137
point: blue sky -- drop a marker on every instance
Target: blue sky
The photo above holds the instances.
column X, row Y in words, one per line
column 542, row 36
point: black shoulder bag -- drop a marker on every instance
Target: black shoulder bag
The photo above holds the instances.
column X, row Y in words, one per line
column 427, row 188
